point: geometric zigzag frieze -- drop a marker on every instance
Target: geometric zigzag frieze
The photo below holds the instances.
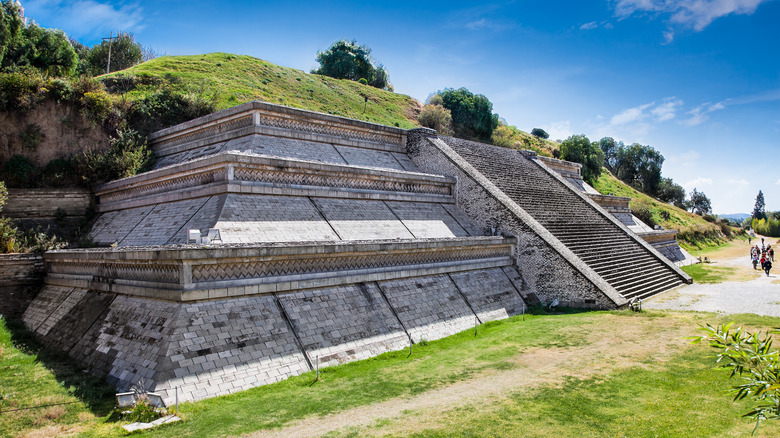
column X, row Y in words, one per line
column 303, row 125
column 294, row 266
column 128, row 271
column 186, row 181
column 345, row 181
column 208, row 132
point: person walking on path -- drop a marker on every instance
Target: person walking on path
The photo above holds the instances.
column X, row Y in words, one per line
column 767, row 267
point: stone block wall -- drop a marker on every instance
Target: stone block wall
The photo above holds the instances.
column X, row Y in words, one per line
column 546, row 270
column 21, row 276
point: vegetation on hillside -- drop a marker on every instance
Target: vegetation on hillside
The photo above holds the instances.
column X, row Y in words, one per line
column 350, row 60
column 228, row 80
column 695, row 232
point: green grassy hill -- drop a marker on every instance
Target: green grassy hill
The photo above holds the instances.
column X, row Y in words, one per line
column 695, row 232
column 234, row 79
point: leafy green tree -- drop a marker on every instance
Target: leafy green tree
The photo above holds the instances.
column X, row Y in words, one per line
column 472, row 114
column 610, row 147
column 751, row 357
column 700, row 203
column 759, row 210
column 11, row 26
column 672, row 193
column 539, row 132
column 640, row 167
column 350, row 60
column 47, row 50
column 125, row 53
column 579, row 149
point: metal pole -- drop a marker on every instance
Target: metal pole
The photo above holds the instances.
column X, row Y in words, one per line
column 108, row 65
column 476, row 320
column 318, row 368
column 177, row 400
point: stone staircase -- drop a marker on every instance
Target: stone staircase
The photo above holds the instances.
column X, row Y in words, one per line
column 615, row 255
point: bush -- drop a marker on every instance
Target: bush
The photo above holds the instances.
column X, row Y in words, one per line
column 767, row 227
column 643, row 212
column 711, row 218
column 3, row 195
column 95, row 106
column 436, row 117
column 59, row 172
column 726, row 229
column 18, row 172
column 126, row 155
column 539, row 132
column 21, row 91
column 166, row 108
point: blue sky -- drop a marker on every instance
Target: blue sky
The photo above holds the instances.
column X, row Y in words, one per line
column 699, row 80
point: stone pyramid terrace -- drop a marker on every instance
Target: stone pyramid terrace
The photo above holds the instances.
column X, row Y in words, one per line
column 330, row 240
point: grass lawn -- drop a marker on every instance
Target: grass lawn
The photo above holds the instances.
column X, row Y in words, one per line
column 594, row 374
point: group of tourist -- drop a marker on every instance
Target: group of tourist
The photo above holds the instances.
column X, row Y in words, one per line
column 763, row 255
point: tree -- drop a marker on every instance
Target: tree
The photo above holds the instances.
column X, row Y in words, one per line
column 125, row 53
column 579, row 149
column 350, row 60
column 436, row 117
column 751, row 357
column 47, row 50
column 610, row 147
column 11, row 25
column 672, row 193
column 640, row 167
column 759, row 211
column 700, row 203
column 539, row 132
column 472, row 114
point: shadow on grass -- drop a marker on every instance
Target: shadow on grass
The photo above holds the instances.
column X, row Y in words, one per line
column 92, row 390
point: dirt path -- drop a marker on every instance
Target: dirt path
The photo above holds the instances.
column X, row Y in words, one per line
column 600, row 354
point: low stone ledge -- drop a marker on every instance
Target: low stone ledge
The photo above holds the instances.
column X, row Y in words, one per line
column 188, row 272
column 247, row 173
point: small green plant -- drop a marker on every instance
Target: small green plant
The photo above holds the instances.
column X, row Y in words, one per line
column 142, row 412
column 751, row 357
column 643, row 212
column 31, row 137
column 95, row 106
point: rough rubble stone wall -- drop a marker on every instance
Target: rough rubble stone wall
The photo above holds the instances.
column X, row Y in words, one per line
column 490, row 293
column 544, row 270
column 345, row 323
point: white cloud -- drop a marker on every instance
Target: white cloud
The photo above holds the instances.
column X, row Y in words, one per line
column 778, row 182
column 88, row 18
column 700, row 114
column 559, row 130
column 589, row 26
column 692, row 14
column 738, row 182
column 667, row 110
column 630, row 115
column 697, row 183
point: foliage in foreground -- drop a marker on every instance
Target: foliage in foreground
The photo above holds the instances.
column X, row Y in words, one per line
column 751, row 357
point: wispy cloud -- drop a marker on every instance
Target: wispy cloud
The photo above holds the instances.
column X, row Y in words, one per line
column 700, row 114
column 489, row 24
column 559, row 130
column 697, row 182
column 660, row 112
column 589, row 26
column 630, row 115
column 667, row 110
column 692, row 14
column 88, row 18
column 778, row 182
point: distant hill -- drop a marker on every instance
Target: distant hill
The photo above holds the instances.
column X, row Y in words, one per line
column 234, row 79
column 739, row 217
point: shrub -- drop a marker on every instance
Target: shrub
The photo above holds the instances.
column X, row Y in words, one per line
column 436, row 117
column 363, row 81
column 18, row 172
column 643, row 212
column 726, row 229
column 31, row 137
column 95, row 106
column 3, row 195
column 126, row 155
column 9, row 236
column 539, row 132
column 166, row 108
column 59, row 172
column 710, row 218
column 21, row 91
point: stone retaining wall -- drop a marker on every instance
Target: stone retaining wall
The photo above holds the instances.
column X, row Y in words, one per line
column 21, row 276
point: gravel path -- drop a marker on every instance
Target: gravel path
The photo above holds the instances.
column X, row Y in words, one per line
column 760, row 296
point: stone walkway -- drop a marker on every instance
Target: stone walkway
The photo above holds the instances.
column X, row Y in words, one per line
column 760, row 296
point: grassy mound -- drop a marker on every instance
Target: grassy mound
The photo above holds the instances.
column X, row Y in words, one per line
column 230, row 80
